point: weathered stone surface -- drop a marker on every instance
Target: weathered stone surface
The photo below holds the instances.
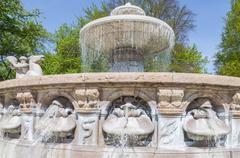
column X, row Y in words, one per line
column 27, row 66
column 169, row 96
column 120, row 78
column 87, row 99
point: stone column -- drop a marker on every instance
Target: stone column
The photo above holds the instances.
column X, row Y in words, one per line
column 27, row 102
column 88, row 116
column 233, row 138
column 1, row 114
column 170, row 132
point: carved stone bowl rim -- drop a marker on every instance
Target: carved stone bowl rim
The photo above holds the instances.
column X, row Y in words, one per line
column 120, row 78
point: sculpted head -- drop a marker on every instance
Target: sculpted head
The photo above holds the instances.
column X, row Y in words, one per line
column 36, row 58
column 23, row 59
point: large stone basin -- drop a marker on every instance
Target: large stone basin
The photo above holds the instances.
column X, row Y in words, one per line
column 167, row 94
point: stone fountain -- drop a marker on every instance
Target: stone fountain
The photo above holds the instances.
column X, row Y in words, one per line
column 128, row 114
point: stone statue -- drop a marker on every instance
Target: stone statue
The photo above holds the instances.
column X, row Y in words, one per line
column 57, row 122
column 203, row 125
column 27, row 66
column 129, row 121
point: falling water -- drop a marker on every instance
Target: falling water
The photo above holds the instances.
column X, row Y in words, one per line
column 148, row 42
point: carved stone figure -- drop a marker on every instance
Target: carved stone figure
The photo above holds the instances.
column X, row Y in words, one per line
column 27, row 66
column 87, row 98
column 11, row 121
column 130, row 122
column 203, row 126
column 235, row 105
column 57, row 122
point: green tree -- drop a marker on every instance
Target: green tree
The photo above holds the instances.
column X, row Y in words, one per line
column 20, row 33
column 180, row 18
column 190, row 59
column 228, row 58
column 67, row 58
column 67, row 40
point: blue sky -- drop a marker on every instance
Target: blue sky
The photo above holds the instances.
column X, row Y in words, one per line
column 209, row 19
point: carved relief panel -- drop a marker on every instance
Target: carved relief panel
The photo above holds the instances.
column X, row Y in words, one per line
column 235, row 104
column 26, row 101
column 87, row 98
column 170, row 100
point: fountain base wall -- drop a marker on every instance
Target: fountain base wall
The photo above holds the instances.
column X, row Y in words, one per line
column 13, row 149
column 169, row 96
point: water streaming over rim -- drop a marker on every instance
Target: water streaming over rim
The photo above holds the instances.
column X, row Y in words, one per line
column 126, row 41
column 122, row 114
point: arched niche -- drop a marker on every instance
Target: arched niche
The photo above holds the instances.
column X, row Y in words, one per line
column 129, row 117
column 216, row 106
column 218, row 101
column 205, row 124
column 46, row 99
column 113, row 95
column 11, row 122
column 149, row 96
column 58, row 120
column 136, row 101
column 13, row 102
column 67, row 104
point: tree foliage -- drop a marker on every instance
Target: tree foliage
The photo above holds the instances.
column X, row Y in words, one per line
column 228, row 58
column 190, row 59
column 67, row 58
column 180, row 18
column 20, row 32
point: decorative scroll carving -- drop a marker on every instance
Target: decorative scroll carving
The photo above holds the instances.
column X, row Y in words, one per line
column 235, row 104
column 26, row 100
column 87, row 98
column 170, row 98
column 168, row 131
column 88, row 128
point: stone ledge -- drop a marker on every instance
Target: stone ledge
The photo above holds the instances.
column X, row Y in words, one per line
column 119, row 78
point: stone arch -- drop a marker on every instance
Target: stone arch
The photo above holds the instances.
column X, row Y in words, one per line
column 10, row 99
column 129, row 107
column 216, row 99
column 46, row 99
column 133, row 92
column 129, row 92
column 137, row 101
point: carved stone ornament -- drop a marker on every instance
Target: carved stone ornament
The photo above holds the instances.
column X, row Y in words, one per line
column 26, row 67
column 170, row 98
column 235, row 104
column 87, row 98
column 88, row 128
column 26, row 101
